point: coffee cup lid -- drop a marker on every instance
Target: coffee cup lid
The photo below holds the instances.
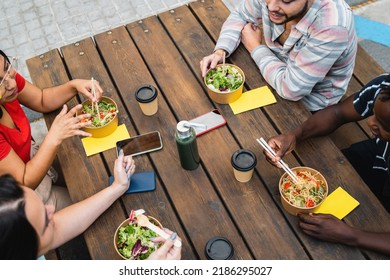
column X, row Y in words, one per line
column 219, row 248
column 244, row 160
column 146, row 93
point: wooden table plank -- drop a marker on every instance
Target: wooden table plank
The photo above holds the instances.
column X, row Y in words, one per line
column 366, row 68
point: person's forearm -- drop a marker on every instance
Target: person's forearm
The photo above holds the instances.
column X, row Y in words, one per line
column 37, row 167
column 230, row 35
column 75, row 219
column 379, row 242
column 54, row 97
column 321, row 123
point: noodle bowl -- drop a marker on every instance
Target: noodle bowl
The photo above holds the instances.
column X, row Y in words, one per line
column 305, row 195
column 104, row 116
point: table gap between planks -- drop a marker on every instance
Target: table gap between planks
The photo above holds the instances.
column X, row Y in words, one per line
column 165, row 51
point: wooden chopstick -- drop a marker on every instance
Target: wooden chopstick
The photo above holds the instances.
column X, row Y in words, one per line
column 94, row 95
column 266, row 147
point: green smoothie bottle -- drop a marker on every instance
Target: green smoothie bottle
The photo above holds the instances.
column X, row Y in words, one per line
column 186, row 145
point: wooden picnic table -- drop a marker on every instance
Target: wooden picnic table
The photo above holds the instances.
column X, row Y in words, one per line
column 165, row 51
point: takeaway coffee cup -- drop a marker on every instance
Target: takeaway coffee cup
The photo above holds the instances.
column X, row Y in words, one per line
column 219, row 248
column 146, row 96
column 243, row 162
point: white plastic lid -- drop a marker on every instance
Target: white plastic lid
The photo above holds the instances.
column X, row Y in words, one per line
column 181, row 128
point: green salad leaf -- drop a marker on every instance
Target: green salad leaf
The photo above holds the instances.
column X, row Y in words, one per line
column 134, row 242
column 224, row 78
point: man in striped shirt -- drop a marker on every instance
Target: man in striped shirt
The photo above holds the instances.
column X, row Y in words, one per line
column 370, row 158
column 305, row 49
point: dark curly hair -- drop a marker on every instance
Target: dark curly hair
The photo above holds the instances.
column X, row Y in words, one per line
column 18, row 238
column 5, row 57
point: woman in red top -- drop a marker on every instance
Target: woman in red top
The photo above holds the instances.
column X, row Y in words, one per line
column 15, row 131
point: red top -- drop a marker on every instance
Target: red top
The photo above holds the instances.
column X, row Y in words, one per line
column 19, row 138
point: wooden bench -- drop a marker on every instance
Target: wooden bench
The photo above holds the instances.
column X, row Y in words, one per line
column 165, row 50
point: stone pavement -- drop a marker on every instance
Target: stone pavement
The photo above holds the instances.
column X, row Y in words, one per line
column 32, row 27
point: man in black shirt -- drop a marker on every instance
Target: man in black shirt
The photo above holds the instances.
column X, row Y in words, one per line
column 370, row 158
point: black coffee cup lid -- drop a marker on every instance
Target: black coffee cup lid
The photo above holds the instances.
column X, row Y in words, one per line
column 244, row 160
column 146, row 93
column 219, row 248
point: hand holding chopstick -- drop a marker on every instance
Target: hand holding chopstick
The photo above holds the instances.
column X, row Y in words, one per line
column 266, row 147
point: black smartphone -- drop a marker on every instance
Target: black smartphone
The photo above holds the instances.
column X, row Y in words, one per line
column 140, row 144
column 211, row 120
column 140, row 182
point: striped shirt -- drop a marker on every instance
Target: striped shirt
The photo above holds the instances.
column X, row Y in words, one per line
column 316, row 61
column 364, row 105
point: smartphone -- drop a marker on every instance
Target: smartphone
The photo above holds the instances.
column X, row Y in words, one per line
column 140, row 182
column 211, row 120
column 140, row 144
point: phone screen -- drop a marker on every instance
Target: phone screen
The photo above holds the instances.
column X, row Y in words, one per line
column 212, row 120
column 140, row 144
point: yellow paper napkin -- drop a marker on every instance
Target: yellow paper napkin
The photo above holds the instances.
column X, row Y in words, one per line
column 96, row 145
column 253, row 99
column 339, row 203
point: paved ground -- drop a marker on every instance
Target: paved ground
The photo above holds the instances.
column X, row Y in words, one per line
column 32, row 27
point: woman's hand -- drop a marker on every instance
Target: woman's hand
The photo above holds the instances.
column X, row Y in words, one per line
column 123, row 169
column 85, row 88
column 209, row 62
column 67, row 124
column 167, row 251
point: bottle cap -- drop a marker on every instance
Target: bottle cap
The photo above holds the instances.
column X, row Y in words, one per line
column 219, row 248
column 243, row 160
column 146, row 94
column 183, row 129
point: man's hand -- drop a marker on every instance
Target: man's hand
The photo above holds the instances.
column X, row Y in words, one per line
column 209, row 62
column 327, row 227
column 282, row 144
column 252, row 36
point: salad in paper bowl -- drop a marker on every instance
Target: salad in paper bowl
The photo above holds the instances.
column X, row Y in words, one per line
column 224, row 78
column 132, row 241
column 224, row 83
column 104, row 116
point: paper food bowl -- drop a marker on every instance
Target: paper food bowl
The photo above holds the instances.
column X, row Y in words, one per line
column 106, row 129
column 224, row 97
column 124, row 224
column 308, row 206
